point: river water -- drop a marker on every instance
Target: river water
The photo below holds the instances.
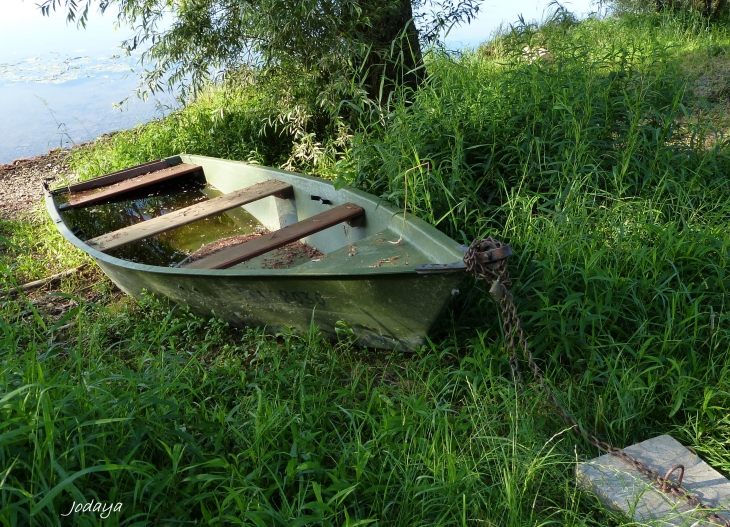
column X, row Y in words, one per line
column 59, row 84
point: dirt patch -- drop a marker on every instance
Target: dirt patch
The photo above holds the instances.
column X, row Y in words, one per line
column 21, row 181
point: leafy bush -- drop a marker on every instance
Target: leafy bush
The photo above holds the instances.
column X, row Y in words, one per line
column 708, row 9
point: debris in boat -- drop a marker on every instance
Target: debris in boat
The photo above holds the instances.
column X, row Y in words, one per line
column 280, row 258
column 386, row 260
column 285, row 256
column 353, row 250
column 217, row 246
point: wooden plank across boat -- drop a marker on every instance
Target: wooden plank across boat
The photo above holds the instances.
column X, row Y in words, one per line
column 128, row 184
column 385, row 276
column 189, row 214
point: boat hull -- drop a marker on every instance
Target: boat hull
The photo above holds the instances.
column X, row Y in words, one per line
column 366, row 286
column 381, row 311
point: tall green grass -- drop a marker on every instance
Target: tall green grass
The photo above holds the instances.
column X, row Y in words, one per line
column 182, row 420
column 32, row 248
column 594, row 164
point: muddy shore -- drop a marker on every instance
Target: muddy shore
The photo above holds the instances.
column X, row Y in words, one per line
column 21, row 181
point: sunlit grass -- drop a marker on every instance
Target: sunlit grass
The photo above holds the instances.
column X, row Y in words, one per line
column 32, row 248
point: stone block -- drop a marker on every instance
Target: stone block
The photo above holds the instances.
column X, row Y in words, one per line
column 622, row 488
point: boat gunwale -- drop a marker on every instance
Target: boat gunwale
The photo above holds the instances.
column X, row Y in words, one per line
column 293, row 272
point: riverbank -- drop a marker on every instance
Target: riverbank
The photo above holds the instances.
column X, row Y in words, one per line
column 21, row 181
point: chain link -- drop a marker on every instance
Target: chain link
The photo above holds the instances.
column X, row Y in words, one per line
column 481, row 262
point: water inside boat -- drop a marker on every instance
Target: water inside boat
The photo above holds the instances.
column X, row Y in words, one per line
column 101, row 222
column 168, row 248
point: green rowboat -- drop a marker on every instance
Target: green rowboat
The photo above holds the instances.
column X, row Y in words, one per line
column 363, row 266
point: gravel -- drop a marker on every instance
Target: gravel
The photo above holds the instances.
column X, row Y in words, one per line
column 21, row 181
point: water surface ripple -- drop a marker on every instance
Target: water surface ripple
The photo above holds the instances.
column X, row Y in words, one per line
column 61, row 85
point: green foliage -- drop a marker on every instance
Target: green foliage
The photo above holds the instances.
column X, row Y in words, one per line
column 310, row 55
column 701, row 8
column 325, row 41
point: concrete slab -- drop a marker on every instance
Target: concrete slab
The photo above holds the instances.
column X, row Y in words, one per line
column 622, row 488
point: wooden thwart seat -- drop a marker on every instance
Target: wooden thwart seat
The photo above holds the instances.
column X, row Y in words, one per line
column 245, row 251
column 91, row 196
column 121, row 175
column 189, row 214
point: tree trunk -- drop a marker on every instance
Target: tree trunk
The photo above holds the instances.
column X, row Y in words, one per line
column 394, row 57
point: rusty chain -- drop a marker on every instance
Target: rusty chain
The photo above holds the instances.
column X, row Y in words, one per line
column 486, row 259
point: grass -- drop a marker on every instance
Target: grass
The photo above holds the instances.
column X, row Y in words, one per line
column 601, row 165
column 32, row 248
column 182, row 419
